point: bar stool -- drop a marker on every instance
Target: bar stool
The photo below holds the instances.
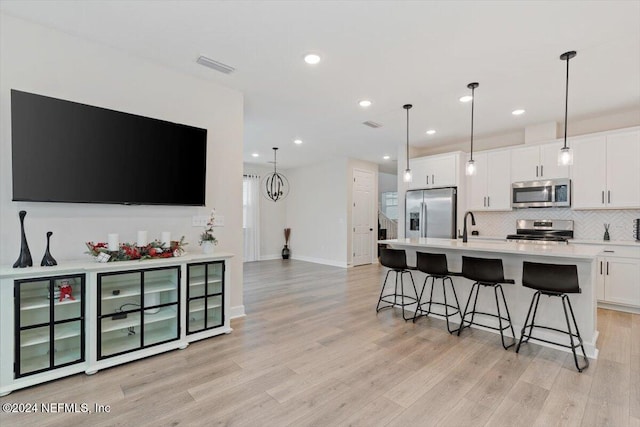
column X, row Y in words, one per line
column 558, row 281
column 435, row 266
column 396, row 261
column 486, row 272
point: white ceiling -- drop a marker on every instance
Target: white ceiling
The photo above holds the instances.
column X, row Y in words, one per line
column 391, row 52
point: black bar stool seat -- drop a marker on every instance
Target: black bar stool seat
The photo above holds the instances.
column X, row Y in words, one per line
column 558, row 281
column 396, row 261
column 435, row 266
column 486, row 272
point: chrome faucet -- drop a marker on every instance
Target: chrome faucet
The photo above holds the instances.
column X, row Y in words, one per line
column 464, row 230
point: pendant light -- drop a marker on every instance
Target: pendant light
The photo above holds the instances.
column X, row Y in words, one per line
column 565, row 156
column 471, row 165
column 407, row 172
column 275, row 186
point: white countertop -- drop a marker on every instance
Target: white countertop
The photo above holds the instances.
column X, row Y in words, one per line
column 69, row 267
column 629, row 243
column 564, row 251
column 617, row 248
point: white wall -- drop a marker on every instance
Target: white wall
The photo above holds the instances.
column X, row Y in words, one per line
column 387, row 182
column 48, row 62
column 317, row 214
column 273, row 217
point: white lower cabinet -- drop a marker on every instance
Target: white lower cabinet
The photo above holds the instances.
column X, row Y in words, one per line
column 618, row 281
column 59, row 321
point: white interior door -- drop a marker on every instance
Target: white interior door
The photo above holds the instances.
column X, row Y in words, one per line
column 362, row 217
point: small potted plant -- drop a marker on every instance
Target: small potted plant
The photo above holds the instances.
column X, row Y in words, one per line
column 285, row 251
column 207, row 239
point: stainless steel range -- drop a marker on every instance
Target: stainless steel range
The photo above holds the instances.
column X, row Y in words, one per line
column 542, row 231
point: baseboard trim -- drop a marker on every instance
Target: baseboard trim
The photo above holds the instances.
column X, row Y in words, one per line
column 237, row 311
column 270, row 257
column 321, row 261
column 619, row 307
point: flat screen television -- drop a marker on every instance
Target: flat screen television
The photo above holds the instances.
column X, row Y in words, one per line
column 63, row 151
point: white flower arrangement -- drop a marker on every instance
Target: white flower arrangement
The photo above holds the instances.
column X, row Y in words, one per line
column 207, row 234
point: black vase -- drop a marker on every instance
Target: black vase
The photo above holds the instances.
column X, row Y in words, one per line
column 24, row 260
column 286, row 252
column 47, row 259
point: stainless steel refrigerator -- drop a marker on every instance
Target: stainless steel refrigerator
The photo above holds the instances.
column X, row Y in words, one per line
column 431, row 213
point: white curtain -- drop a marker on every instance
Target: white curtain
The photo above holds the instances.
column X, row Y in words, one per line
column 251, row 217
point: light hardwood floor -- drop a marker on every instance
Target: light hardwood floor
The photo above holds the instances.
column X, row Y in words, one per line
column 312, row 351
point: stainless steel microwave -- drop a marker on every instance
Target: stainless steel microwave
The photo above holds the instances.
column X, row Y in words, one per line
column 541, row 194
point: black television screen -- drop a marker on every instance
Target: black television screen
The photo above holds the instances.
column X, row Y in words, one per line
column 64, row 151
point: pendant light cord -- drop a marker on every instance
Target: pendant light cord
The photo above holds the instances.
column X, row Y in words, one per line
column 473, row 100
column 566, row 104
column 407, row 107
column 408, row 138
column 275, row 163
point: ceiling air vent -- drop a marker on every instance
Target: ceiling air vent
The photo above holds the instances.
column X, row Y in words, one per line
column 372, row 124
column 218, row 66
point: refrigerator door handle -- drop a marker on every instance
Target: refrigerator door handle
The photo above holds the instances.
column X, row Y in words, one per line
column 423, row 219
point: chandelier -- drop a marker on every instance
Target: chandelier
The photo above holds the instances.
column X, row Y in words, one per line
column 275, row 186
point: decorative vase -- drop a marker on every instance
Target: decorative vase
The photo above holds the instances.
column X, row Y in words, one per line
column 47, row 259
column 24, row 260
column 606, row 232
column 207, row 247
column 286, row 252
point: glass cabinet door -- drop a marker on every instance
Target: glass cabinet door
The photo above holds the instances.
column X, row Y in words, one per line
column 137, row 309
column 205, row 296
column 50, row 323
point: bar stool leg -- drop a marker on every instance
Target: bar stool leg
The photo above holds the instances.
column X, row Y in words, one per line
column 402, row 290
column 573, row 346
column 433, row 284
column 419, row 306
column 495, row 290
column 526, row 322
column 524, row 337
column 395, row 292
column 476, row 287
column 533, row 319
column 446, row 304
column 455, row 297
column 384, row 284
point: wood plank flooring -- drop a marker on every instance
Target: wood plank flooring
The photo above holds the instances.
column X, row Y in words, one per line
column 313, row 352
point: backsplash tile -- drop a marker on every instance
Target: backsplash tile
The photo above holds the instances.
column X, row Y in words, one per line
column 588, row 225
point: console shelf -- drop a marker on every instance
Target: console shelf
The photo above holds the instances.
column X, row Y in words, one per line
column 121, row 311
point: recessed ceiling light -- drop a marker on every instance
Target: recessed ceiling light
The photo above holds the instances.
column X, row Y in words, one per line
column 386, row 157
column 297, row 141
column 255, row 155
column 466, row 98
column 517, row 112
column 365, row 103
column 312, row 59
column 431, row 131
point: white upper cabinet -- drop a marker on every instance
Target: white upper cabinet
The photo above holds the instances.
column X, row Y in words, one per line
column 537, row 162
column 434, row 171
column 490, row 188
column 606, row 172
column 623, row 170
column 588, row 173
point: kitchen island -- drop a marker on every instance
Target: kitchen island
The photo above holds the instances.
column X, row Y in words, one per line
column 550, row 312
